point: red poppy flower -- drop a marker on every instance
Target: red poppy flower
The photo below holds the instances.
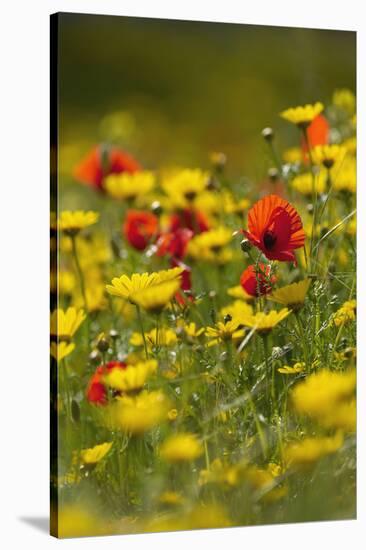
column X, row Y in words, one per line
column 275, row 227
column 190, row 219
column 317, row 132
column 174, row 243
column 257, row 283
column 139, row 228
column 96, row 392
column 102, row 161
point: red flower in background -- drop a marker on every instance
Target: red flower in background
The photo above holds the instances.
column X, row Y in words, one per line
column 318, row 134
column 275, row 227
column 189, row 219
column 174, row 243
column 140, row 228
column 102, row 161
column 185, row 284
column 96, row 392
column 257, row 283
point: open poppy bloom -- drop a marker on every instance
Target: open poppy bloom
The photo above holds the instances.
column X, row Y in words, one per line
column 139, row 228
column 174, row 243
column 96, row 392
column 257, row 283
column 102, row 161
column 275, row 227
column 190, row 219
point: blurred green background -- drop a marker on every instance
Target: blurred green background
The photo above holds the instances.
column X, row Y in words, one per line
column 171, row 92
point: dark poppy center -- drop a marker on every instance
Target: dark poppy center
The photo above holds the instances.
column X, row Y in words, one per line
column 269, row 240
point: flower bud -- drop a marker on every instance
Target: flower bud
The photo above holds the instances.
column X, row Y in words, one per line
column 245, row 245
column 273, row 174
column 268, row 134
column 156, row 208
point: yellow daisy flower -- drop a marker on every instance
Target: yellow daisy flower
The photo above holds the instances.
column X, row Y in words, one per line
column 192, row 331
column 129, row 186
column 156, row 297
column 294, row 155
column 322, row 393
column 211, row 245
column 137, row 414
column 303, row 183
column 302, row 116
column 295, row 369
column 61, row 350
column 328, row 155
column 345, row 314
column 184, row 186
column 306, row 452
column 236, row 310
column 125, row 286
column 344, row 177
column 345, row 99
column 95, row 454
column 239, row 292
column 165, row 337
column 265, row 322
column 73, row 222
column 224, row 332
column 182, row 447
column 64, row 324
column 171, row 498
column 132, row 378
column 293, row 296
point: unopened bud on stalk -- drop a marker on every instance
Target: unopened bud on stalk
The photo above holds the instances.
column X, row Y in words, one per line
column 245, row 245
column 113, row 334
column 103, row 344
column 156, row 208
column 273, row 174
column 310, row 208
column 227, row 318
column 95, row 357
column 268, row 134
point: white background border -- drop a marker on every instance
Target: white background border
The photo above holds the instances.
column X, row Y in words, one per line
column 24, row 182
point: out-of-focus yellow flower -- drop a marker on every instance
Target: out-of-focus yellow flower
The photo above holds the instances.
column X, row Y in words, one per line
column 328, row 155
column 129, row 186
column 323, row 393
column 93, row 251
column 294, row 155
column 239, row 292
column 208, row 516
column 95, row 454
column 295, row 369
column 224, row 332
column 305, row 453
column 181, row 447
column 77, row 521
column 265, row 322
column 171, row 498
column 350, row 145
column 125, row 286
column 164, row 337
column 345, row 314
column 137, row 414
column 184, row 186
column 61, row 350
column 192, row 330
column 66, row 282
column 345, row 99
column 233, row 205
column 73, row 222
column 303, row 183
column 211, row 246
column 343, row 417
column 293, row 296
column 132, row 378
column 172, row 414
column 227, row 475
column 302, row 116
column 263, row 480
column 236, row 310
column 351, row 227
column 156, row 297
column 64, row 324
column 344, row 176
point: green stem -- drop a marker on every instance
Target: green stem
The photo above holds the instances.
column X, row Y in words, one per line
column 142, row 330
column 78, row 269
